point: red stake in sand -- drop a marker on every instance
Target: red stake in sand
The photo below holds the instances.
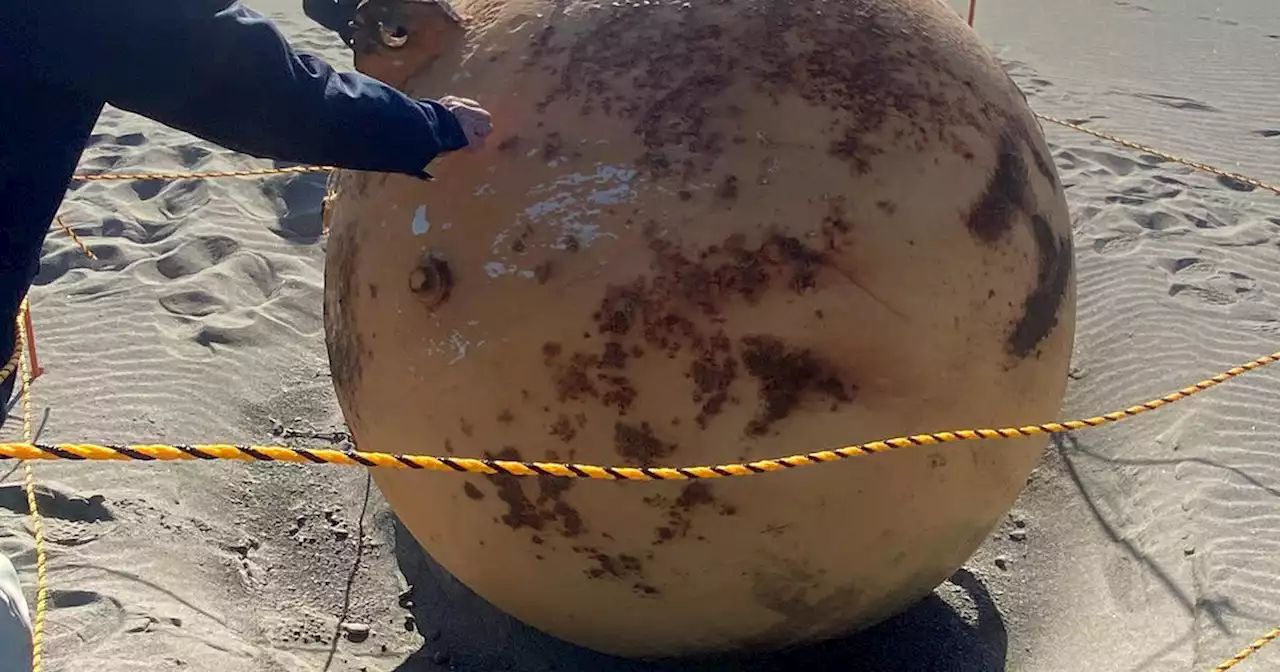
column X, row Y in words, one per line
column 29, row 341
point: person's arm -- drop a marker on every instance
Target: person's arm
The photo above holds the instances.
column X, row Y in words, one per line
column 222, row 72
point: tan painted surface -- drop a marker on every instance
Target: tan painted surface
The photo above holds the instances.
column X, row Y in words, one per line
column 705, row 233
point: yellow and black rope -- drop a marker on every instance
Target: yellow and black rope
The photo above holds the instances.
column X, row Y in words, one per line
column 29, row 486
column 1244, row 179
column 1247, row 651
column 471, row 465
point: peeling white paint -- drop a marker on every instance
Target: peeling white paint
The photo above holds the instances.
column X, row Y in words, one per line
column 604, row 174
column 420, row 224
column 460, row 346
column 497, row 269
column 612, row 196
column 484, row 189
column 558, row 203
column 446, row 226
column 570, row 207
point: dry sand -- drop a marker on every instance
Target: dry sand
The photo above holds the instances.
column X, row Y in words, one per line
column 1150, row 545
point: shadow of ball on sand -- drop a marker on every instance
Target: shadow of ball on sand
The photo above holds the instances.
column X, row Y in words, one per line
column 464, row 633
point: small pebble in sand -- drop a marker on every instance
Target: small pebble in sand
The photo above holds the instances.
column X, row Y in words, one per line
column 1002, row 562
column 1018, row 535
column 356, row 632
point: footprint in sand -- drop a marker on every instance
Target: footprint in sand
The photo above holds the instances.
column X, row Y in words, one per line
column 1202, row 281
column 215, row 288
column 146, row 190
column 115, row 242
column 1142, row 194
column 196, row 255
column 1234, row 184
column 68, row 519
column 1156, row 220
column 246, row 281
column 136, row 231
column 1115, row 243
column 1095, row 162
column 1190, row 268
column 81, row 618
column 241, row 281
column 183, row 198
column 178, row 199
column 126, row 140
column 192, row 303
column 190, row 155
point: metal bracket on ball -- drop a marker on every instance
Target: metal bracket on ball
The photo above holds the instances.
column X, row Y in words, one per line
column 383, row 23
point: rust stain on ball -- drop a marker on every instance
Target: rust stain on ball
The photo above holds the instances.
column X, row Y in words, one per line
column 786, row 377
column 1009, row 199
column 545, row 510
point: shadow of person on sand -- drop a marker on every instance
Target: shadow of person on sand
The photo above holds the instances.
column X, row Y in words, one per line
column 465, row 633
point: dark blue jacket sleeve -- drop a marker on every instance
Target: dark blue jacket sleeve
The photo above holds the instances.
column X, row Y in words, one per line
column 223, row 72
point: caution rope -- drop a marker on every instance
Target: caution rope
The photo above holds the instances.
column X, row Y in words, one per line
column 1248, row 651
column 74, row 239
column 165, row 452
column 1244, row 179
column 29, row 485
